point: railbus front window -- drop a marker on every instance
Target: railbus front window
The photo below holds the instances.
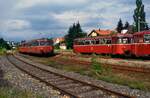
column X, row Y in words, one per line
column 147, row 38
column 124, row 40
column 119, row 40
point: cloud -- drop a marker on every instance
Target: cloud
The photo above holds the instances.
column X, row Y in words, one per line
column 30, row 3
column 70, row 17
column 17, row 24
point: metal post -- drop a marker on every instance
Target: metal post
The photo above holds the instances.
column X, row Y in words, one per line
column 138, row 24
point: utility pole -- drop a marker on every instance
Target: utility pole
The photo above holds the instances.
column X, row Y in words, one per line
column 139, row 24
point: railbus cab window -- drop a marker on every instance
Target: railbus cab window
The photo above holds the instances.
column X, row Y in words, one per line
column 147, row 38
column 124, row 40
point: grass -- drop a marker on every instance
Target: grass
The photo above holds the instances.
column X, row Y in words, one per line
column 6, row 92
column 124, row 81
column 2, row 51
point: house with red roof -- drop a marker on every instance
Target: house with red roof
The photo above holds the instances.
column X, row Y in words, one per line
column 100, row 32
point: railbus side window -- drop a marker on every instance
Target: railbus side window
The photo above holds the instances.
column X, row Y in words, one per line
column 147, row 38
column 81, row 42
column 97, row 42
column 108, row 41
column 102, row 41
column 87, row 42
column 92, row 42
column 34, row 43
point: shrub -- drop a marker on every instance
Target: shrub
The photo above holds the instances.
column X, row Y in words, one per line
column 96, row 67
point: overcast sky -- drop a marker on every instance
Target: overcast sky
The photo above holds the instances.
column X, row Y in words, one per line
column 29, row 19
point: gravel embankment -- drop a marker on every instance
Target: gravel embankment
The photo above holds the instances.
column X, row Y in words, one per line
column 23, row 81
column 114, row 87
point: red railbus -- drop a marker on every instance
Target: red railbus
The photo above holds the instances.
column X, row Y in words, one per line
column 141, row 46
column 137, row 44
column 38, row 46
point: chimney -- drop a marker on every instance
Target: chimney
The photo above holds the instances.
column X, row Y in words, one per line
column 99, row 29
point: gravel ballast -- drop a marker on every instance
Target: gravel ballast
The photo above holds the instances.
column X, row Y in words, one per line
column 22, row 81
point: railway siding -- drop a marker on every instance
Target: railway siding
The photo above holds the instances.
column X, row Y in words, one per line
column 114, row 87
column 132, row 63
column 108, row 60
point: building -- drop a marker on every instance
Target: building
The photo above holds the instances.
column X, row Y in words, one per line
column 63, row 46
column 58, row 40
column 99, row 32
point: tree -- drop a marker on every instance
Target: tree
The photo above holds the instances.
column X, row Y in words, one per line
column 139, row 17
column 126, row 26
column 119, row 26
column 3, row 44
column 74, row 32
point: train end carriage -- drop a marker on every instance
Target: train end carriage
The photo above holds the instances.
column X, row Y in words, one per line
column 41, row 46
column 141, row 46
column 38, row 46
column 23, row 48
column 121, row 44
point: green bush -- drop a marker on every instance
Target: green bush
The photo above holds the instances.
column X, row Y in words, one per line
column 96, row 67
column 2, row 51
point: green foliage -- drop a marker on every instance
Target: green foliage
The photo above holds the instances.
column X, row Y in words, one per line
column 57, row 46
column 139, row 17
column 2, row 51
column 123, row 81
column 119, row 26
column 126, row 26
column 96, row 67
column 74, row 32
column 3, row 44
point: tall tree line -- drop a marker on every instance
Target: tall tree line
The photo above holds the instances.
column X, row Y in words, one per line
column 139, row 17
column 75, row 31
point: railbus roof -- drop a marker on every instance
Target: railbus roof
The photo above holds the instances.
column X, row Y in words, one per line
column 142, row 33
column 93, row 38
column 122, row 35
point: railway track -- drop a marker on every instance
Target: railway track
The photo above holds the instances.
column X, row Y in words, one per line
column 70, row 86
column 116, row 67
